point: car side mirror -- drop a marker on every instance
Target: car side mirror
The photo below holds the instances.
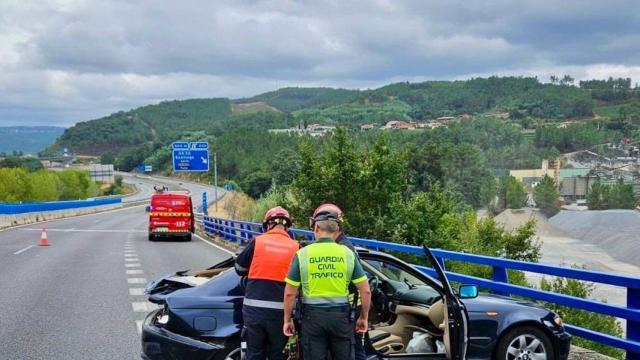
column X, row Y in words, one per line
column 147, row 208
column 468, row 291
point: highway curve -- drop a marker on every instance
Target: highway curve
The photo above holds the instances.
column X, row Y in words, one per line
column 81, row 297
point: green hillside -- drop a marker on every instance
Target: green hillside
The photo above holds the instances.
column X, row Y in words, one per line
column 27, row 139
column 148, row 124
column 128, row 138
column 294, row 98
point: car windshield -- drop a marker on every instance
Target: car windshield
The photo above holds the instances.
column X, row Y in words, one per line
column 387, row 271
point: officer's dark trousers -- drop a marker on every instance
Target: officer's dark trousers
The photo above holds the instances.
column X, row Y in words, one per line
column 326, row 332
column 264, row 338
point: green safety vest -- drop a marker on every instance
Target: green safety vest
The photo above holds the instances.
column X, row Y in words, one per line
column 326, row 269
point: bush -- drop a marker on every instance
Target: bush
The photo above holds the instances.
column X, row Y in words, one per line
column 598, row 322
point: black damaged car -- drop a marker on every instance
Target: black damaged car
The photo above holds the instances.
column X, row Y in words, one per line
column 413, row 316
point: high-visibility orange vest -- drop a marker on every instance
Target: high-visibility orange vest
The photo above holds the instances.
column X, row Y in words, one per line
column 272, row 255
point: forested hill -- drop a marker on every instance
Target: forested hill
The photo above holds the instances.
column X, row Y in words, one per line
column 431, row 99
column 292, row 98
column 129, row 137
column 27, row 139
column 158, row 123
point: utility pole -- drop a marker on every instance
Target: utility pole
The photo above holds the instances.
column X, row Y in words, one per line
column 215, row 177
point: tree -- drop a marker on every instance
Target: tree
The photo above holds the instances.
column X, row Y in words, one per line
column 546, row 195
column 466, row 171
column 567, row 80
column 622, row 196
column 511, row 193
column 553, row 79
column 598, row 197
column 14, row 185
column 44, row 186
column 257, row 183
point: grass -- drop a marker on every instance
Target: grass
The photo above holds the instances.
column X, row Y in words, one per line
column 608, row 111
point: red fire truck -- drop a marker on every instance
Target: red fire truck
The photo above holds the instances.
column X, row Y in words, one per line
column 170, row 215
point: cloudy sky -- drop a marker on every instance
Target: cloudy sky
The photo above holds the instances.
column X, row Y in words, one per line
column 67, row 61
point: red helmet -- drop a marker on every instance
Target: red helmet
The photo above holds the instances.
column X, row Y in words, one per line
column 327, row 212
column 274, row 214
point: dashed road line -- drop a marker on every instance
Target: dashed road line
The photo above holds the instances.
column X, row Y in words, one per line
column 136, row 280
column 135, row 272
column 143, row 306
column 139, row 326
column 136, row 291
column 132, row 265
column 23, row 250
column 132, row 259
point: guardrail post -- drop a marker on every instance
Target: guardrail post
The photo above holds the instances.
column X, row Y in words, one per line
column 633, row 326
column 242, row 233
column 500, row 275
column 235, row 231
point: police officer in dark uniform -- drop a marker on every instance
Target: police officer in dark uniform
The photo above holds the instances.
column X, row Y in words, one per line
column 266, row 261
column 324, row 270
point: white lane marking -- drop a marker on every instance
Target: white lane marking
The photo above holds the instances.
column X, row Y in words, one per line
column 23, row 250
column 136, row 291
column 143, row 306
column 130, row 259
column 130, row 255
column 214, row 245
column 89, row 230
column 135, row 272
column 132, row 265
column 129, row 252
column 136, row 280
column 139, row 326
column 72, row 217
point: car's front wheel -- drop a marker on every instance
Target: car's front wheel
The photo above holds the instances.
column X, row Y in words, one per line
column 234, row 354
column 525, row 343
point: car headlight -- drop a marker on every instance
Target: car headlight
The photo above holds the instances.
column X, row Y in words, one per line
column 162, row 318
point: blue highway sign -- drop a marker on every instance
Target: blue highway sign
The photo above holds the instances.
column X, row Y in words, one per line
column 190, row 156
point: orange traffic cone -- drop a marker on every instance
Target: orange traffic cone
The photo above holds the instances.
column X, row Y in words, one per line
column 43, row 238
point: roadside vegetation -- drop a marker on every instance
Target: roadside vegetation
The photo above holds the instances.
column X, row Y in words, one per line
column 615, row 196
column 602, row 323
column 19, row 185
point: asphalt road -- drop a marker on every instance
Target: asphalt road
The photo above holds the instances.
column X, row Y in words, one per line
column 145, row 185
column 81, row 297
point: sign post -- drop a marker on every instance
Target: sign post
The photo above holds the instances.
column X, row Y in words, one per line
column 215, row 178
column 204, row 203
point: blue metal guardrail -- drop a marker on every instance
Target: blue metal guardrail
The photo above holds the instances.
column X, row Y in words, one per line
column 241, row 231
column 13, row 209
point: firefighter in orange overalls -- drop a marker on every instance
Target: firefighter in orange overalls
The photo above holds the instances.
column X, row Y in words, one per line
column 266, row 260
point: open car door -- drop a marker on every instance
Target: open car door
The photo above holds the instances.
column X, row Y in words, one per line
column 456, row 315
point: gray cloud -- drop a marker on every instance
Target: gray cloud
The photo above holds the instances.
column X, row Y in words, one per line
column 65, row 61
